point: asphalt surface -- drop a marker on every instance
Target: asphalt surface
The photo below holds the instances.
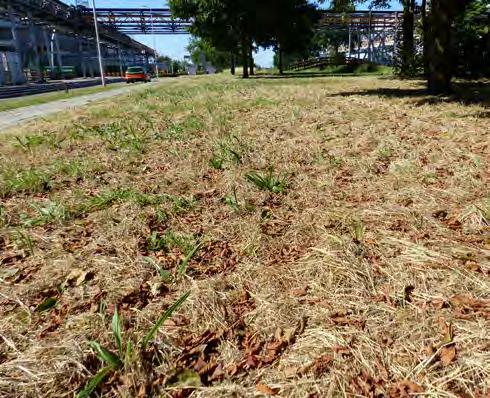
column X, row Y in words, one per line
column 29, row 89
column 15, row 117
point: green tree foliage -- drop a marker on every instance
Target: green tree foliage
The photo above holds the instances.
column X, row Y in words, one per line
column 454, row 35
column 472, row 33
column 176, row 66
column 225, row 24
column 332, row 40
column 289, row 27
column 200, row 49
column 439, row 42
column 236, row 26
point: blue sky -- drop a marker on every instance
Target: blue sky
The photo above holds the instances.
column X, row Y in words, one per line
column 175, row 46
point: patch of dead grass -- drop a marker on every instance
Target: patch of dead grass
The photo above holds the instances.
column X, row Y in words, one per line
column 344, row 284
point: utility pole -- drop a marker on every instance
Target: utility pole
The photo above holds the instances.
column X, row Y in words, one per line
column 101, row 66
column 154, row 43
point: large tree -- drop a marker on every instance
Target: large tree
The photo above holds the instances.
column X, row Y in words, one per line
column 288, row 26
column 222, row 23
column 439, row 52
column 439, row 19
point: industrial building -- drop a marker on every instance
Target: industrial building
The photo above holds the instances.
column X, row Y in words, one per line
column 47, row 38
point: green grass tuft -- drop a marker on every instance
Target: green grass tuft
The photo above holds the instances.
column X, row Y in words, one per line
column 268, row 181
column 24, row 181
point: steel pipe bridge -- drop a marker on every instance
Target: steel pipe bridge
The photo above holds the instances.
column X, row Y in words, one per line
column 140, row 21
column 372, row 35
column 160, row 20
column 369, row 35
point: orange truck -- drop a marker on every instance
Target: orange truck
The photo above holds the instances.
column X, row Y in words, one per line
column 137, row 74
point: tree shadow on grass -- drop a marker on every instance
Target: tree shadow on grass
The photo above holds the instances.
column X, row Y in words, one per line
column 466, row 93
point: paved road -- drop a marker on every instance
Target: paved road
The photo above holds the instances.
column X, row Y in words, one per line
column 9, row 92
column 14, row 117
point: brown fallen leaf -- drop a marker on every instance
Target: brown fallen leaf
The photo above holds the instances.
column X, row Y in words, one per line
column 473, row 266
column 448, row 354
column 453, row 223
column 322, row 365
column 265, row 389
column 366, row 385
column 465, row 304
column 299, row 292
column 78, row 276
column 405, row 388
column 344, row 318
column 342, row 350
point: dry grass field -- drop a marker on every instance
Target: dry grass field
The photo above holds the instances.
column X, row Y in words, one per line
column 327, row 237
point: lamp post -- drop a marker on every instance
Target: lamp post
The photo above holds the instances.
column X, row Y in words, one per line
column 101, row 66
column 154, row 43
column 155, row 54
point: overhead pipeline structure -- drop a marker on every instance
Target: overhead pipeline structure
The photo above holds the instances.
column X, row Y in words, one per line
column 140, row 21
column 371, row 35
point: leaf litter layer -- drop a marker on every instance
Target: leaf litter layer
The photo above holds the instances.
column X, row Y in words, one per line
column 333, row 245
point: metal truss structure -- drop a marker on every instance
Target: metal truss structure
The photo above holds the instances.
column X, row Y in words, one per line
column 133, row 21
column 372, row 35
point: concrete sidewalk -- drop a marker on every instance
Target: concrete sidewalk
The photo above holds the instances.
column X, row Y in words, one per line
column 15, row 117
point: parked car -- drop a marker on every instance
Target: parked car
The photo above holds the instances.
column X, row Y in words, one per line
column 137, row 74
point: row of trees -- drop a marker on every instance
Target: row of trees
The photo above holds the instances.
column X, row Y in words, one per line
column 176, row 66
column 238, row 27
column 203, row 52
column 234, row 28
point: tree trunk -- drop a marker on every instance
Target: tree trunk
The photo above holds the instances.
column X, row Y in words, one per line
column 424, row 37
column 438, row 51
column 232, row 64
column 408, row 41
column 280, row 60
column 251, row 60
column 439, row 54
column 245, row 56
column 487, row 69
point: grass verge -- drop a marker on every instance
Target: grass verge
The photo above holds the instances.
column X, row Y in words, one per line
column 301, row 237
